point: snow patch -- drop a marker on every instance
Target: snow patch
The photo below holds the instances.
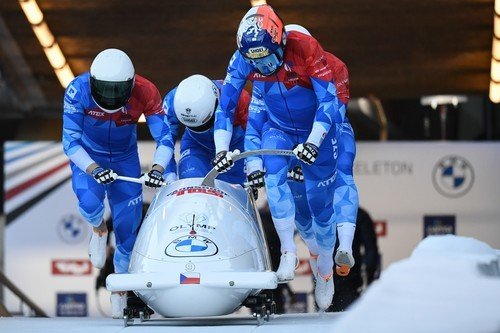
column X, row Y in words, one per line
column 449, row 284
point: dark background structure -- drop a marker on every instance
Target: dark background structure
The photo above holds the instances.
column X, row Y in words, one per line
column 396, row 51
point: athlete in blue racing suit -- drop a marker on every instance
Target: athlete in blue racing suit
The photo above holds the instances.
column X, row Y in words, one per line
column 297, row 89
column 101, row 143
column 200, row 96
column 346, row 200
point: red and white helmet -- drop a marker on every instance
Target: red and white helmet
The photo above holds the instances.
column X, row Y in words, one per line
column 261, row 39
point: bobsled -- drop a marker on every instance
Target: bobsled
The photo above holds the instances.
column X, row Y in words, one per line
column 201, row 250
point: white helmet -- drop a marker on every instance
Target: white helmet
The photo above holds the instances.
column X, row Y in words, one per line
column 296, row 27
column 111, row 79
column 195, row 101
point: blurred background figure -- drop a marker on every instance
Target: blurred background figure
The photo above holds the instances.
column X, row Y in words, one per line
column 365, row 251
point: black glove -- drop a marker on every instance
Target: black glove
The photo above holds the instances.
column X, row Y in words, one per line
column 153, row 178
column 223, row 161
column 306, row 152
column 256, row 179
column 296, row 174
column 255, row 192
column 104, row 176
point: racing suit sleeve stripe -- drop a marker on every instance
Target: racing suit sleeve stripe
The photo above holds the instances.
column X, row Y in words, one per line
column 160, row 131
column 230, row 93
column 163, row 155
column 168, row 109
column 257, row 116
column 173, row 123
column 328, row 111
column 81, row 159
column 73, row 128
column 222, row 139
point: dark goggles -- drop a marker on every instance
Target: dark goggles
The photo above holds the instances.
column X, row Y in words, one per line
column 111, row 95
column 267, row 65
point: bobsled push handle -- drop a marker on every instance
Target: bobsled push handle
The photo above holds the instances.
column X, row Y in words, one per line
column 135, row 180
column 209, row 179
column 130, row 179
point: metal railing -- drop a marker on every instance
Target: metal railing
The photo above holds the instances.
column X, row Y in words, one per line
column 4, row 281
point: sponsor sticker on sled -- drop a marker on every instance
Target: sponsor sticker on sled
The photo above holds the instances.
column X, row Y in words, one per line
column 198, row 190
column 189, row 278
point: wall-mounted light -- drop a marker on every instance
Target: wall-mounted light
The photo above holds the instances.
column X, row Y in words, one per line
column 258, row 2
column 441, row 103
column 495, row 70
column 496, row 25
column 495, row 91
column 435, row 100
column 47, row 41
column 45, row 37
column 495, row 48
column 55, row 56
column 32, row 11
column 65, row 75
column 495, row 57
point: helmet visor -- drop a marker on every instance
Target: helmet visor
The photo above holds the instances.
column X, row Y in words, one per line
column 269, row 64
column 111, row 95
column 207, row 123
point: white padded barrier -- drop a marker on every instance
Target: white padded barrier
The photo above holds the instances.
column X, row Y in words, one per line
column 449, row 284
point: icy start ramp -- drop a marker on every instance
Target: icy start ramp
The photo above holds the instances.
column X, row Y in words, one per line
column 289, row 323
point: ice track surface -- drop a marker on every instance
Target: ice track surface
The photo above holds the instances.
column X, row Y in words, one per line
column 289, row 323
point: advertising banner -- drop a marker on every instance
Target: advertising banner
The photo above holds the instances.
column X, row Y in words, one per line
column 411, row 190
column 427, row 188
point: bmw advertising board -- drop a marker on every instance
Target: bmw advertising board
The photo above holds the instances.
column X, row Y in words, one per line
column 453, row 176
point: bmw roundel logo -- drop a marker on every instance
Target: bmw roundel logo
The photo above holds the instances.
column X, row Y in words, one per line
column 191, row 246
column 72, row 229
column 453, row 176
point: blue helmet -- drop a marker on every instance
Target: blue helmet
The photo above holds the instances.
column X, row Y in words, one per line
column 261, row 39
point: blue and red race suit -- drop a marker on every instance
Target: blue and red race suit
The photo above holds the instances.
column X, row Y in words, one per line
column 346, row 198
column 91, row 135
column 297, row 104
column 198, row 148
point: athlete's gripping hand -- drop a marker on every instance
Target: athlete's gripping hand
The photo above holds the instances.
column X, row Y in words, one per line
column 153, row 179
column 296, row 174
column 256, row 179
column 306, row 152
column 104, row 176
column 255, row 192
column 223, row 161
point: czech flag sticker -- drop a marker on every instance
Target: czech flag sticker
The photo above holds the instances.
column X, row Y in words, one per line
column 190, row 278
